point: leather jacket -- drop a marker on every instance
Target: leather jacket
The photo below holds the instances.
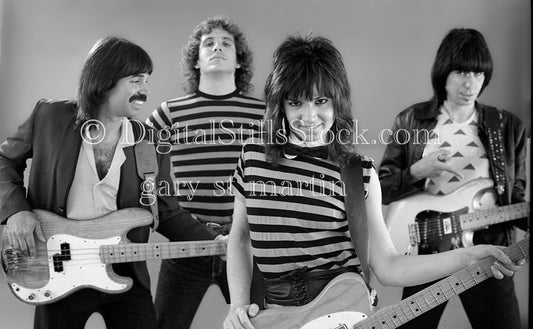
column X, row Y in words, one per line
column 507, row 155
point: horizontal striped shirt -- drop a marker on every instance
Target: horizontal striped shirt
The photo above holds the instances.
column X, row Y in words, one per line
column 295, row 212
column 207, row 133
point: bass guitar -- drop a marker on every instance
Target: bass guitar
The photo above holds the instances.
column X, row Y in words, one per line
column 79, row 254
column 424, row 223
column 344, row 302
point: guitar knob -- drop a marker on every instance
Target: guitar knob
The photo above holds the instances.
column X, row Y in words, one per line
column 47, row 293
column 31, row 297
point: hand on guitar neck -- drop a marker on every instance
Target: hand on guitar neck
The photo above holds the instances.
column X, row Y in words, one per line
column 20, row 231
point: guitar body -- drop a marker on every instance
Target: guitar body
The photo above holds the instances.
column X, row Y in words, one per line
column 70, row 258
column 342, row 303
column 437, row 217
column 345, row 302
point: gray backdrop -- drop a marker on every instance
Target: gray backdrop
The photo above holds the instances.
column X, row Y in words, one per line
column 388, row 47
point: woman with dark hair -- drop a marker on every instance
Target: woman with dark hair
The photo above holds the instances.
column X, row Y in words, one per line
column 290, row 212
column 463, row 140
column 302, row 80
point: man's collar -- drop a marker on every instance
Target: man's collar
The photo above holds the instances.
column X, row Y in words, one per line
column 424, row 113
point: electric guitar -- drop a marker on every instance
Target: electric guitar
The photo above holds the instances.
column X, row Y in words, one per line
column 424, row 223
column 79, row 254
column 344, row 302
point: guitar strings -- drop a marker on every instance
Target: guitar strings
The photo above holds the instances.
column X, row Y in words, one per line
column 94, row 254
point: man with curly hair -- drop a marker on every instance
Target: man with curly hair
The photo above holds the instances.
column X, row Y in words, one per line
column 206, row 128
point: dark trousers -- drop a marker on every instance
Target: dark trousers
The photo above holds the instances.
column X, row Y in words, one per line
column 132, row 309
column 182, row 285
column 492, row 304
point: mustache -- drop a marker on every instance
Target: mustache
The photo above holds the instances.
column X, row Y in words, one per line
column 139, row 97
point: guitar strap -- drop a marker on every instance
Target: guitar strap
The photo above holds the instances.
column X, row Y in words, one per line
column 147, row 169
column 354, row 203
column 494, row 125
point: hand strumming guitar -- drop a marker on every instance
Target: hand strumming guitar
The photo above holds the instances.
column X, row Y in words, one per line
column 20, row 228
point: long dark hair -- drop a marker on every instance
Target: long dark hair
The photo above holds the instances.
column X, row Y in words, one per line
column 110, row 60
column 303, row 64
column 461, row 50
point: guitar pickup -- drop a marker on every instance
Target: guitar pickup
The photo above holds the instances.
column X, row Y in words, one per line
column 447, row 225
column 58, row 259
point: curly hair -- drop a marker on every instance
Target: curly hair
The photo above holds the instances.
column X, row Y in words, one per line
column 461, row 50
column 189, row 58
column 301, row 66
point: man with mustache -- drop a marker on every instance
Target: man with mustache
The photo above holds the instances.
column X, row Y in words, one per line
column 207, row 128
column 85, row 165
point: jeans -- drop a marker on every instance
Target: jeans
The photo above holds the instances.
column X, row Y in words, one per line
column 490, row 304
column 132, row 309
column 182, row 285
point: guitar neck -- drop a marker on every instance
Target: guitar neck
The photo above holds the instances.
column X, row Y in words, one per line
column 413, row 306
column 480, row 219
column 134, row 252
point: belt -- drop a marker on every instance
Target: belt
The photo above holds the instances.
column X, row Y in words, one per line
column 216, row 227
column 300, row 286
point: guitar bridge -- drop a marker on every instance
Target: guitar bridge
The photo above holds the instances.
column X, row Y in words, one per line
column 12, row 260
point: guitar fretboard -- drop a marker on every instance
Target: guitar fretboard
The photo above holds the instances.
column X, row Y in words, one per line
column 423, row 301
column 134, row 252
column 479, row 219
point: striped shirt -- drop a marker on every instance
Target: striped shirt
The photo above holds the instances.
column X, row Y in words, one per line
column 295, row 212
column 207, row 133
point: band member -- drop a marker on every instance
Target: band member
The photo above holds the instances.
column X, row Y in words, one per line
column 289, row 200
column 467, row 140
column 84, row 166
column 206, row 128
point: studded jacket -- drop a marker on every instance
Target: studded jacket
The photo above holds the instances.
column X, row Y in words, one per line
column 503, row 135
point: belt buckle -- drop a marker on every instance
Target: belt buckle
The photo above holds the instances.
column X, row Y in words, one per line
column 213, row 225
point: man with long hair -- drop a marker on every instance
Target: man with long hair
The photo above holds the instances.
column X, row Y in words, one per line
column 85, row 165
column 469, row 140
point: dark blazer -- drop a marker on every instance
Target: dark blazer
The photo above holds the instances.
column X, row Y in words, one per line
column 51, row 139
